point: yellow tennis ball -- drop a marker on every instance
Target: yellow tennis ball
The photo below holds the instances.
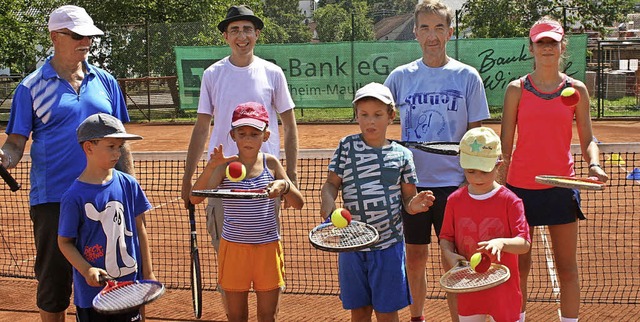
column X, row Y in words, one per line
column 480, row 262
column 569, row 96
column 568, row 91
column 236, row 171
column 340, row 217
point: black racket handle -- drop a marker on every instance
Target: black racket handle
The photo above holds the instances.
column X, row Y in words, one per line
column 192, row 217
column 6, row 176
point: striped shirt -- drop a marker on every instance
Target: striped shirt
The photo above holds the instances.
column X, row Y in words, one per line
column 250, row 221
column 372, row 184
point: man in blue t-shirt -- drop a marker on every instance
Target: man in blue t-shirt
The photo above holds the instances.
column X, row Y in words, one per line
column 48, row 105
column 439, row 99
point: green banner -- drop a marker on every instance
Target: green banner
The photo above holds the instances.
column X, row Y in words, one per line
column 325, row 75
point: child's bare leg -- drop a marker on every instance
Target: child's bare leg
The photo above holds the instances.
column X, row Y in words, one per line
column 565, row 242
column 267, row 302
column 362, row 314
column 237, row 306
column 524, row 267
column 387, row 317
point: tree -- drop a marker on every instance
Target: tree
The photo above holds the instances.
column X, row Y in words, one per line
column 481, row 18
column 596, row 15
column 286, row 23
column 140, row 36
column 23, row 33
column 328, row 18
column 335, row 21
column 380, row 9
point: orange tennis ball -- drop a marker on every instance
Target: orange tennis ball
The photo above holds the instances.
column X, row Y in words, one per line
column 569, row 96
column 480, row 262
column 236, row 171
column 340, row 217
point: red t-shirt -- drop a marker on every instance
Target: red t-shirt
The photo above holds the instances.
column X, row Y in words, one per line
column 468, row 221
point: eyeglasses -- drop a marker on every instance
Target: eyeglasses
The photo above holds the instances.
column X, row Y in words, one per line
column 74, row 35
column 248, row 31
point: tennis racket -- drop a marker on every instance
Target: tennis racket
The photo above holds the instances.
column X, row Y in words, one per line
column 444, row 148
column 464, row 279
column 6, row 176
column 231, row 193
column 355, row 236
column 121, row 297
column 196, row 279
column 571, row 182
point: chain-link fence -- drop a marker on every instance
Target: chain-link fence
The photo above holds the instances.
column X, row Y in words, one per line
column 615, row 78
column 142, row 57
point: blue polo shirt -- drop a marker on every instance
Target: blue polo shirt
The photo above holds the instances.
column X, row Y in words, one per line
column 46, row 107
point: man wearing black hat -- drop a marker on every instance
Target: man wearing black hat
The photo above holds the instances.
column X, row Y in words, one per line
column 238, row 78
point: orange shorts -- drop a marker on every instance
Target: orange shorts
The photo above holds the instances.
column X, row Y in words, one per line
column 243, row 264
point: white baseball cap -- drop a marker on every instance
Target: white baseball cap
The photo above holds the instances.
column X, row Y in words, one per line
column 375, row 90
column 75, row 19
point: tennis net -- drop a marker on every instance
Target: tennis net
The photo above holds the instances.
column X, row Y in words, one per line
column 608, row 251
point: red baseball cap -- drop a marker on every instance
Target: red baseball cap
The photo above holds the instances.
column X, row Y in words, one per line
column 250, row 114
column 546, row 29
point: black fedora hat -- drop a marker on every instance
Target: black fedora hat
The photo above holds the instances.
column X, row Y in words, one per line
column 241, row 12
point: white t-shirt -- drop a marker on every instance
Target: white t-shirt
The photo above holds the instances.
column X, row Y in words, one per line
column 225, row 86
column 436, row 104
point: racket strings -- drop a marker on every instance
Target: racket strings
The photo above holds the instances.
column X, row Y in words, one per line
column 445, row 147
column 128, row 296
column 350, row 236
column 467, row 278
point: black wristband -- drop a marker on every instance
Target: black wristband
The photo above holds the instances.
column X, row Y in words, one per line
column 594, row 165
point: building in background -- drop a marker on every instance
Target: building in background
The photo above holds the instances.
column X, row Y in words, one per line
column 400, row 27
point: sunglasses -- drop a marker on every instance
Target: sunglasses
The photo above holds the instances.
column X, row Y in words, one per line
column 74, row 35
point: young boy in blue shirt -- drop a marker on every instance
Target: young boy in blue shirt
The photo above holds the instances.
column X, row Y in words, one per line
column 101, row 230
column 377, row 178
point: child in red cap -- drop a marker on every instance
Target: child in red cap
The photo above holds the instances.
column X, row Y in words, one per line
column 250, row 255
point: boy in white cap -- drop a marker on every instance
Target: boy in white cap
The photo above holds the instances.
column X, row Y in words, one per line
column 485, row 216
column 89, row 236
column 377, row 178
column 48, row 105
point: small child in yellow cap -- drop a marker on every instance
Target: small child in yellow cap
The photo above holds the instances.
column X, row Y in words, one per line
column 485, row 216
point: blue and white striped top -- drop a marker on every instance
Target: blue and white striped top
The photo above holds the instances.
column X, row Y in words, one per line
column 250, row 221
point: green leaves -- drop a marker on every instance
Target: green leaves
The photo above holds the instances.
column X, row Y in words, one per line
column 511, row 18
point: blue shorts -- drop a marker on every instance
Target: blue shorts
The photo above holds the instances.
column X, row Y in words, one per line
column 376, row 278
column 554, row 206
column 417, row 228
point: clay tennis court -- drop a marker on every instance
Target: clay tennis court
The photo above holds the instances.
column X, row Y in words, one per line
column 17, row 302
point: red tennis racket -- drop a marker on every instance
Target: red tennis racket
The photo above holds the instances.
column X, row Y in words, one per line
column 464, row 279
column 121, row 297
